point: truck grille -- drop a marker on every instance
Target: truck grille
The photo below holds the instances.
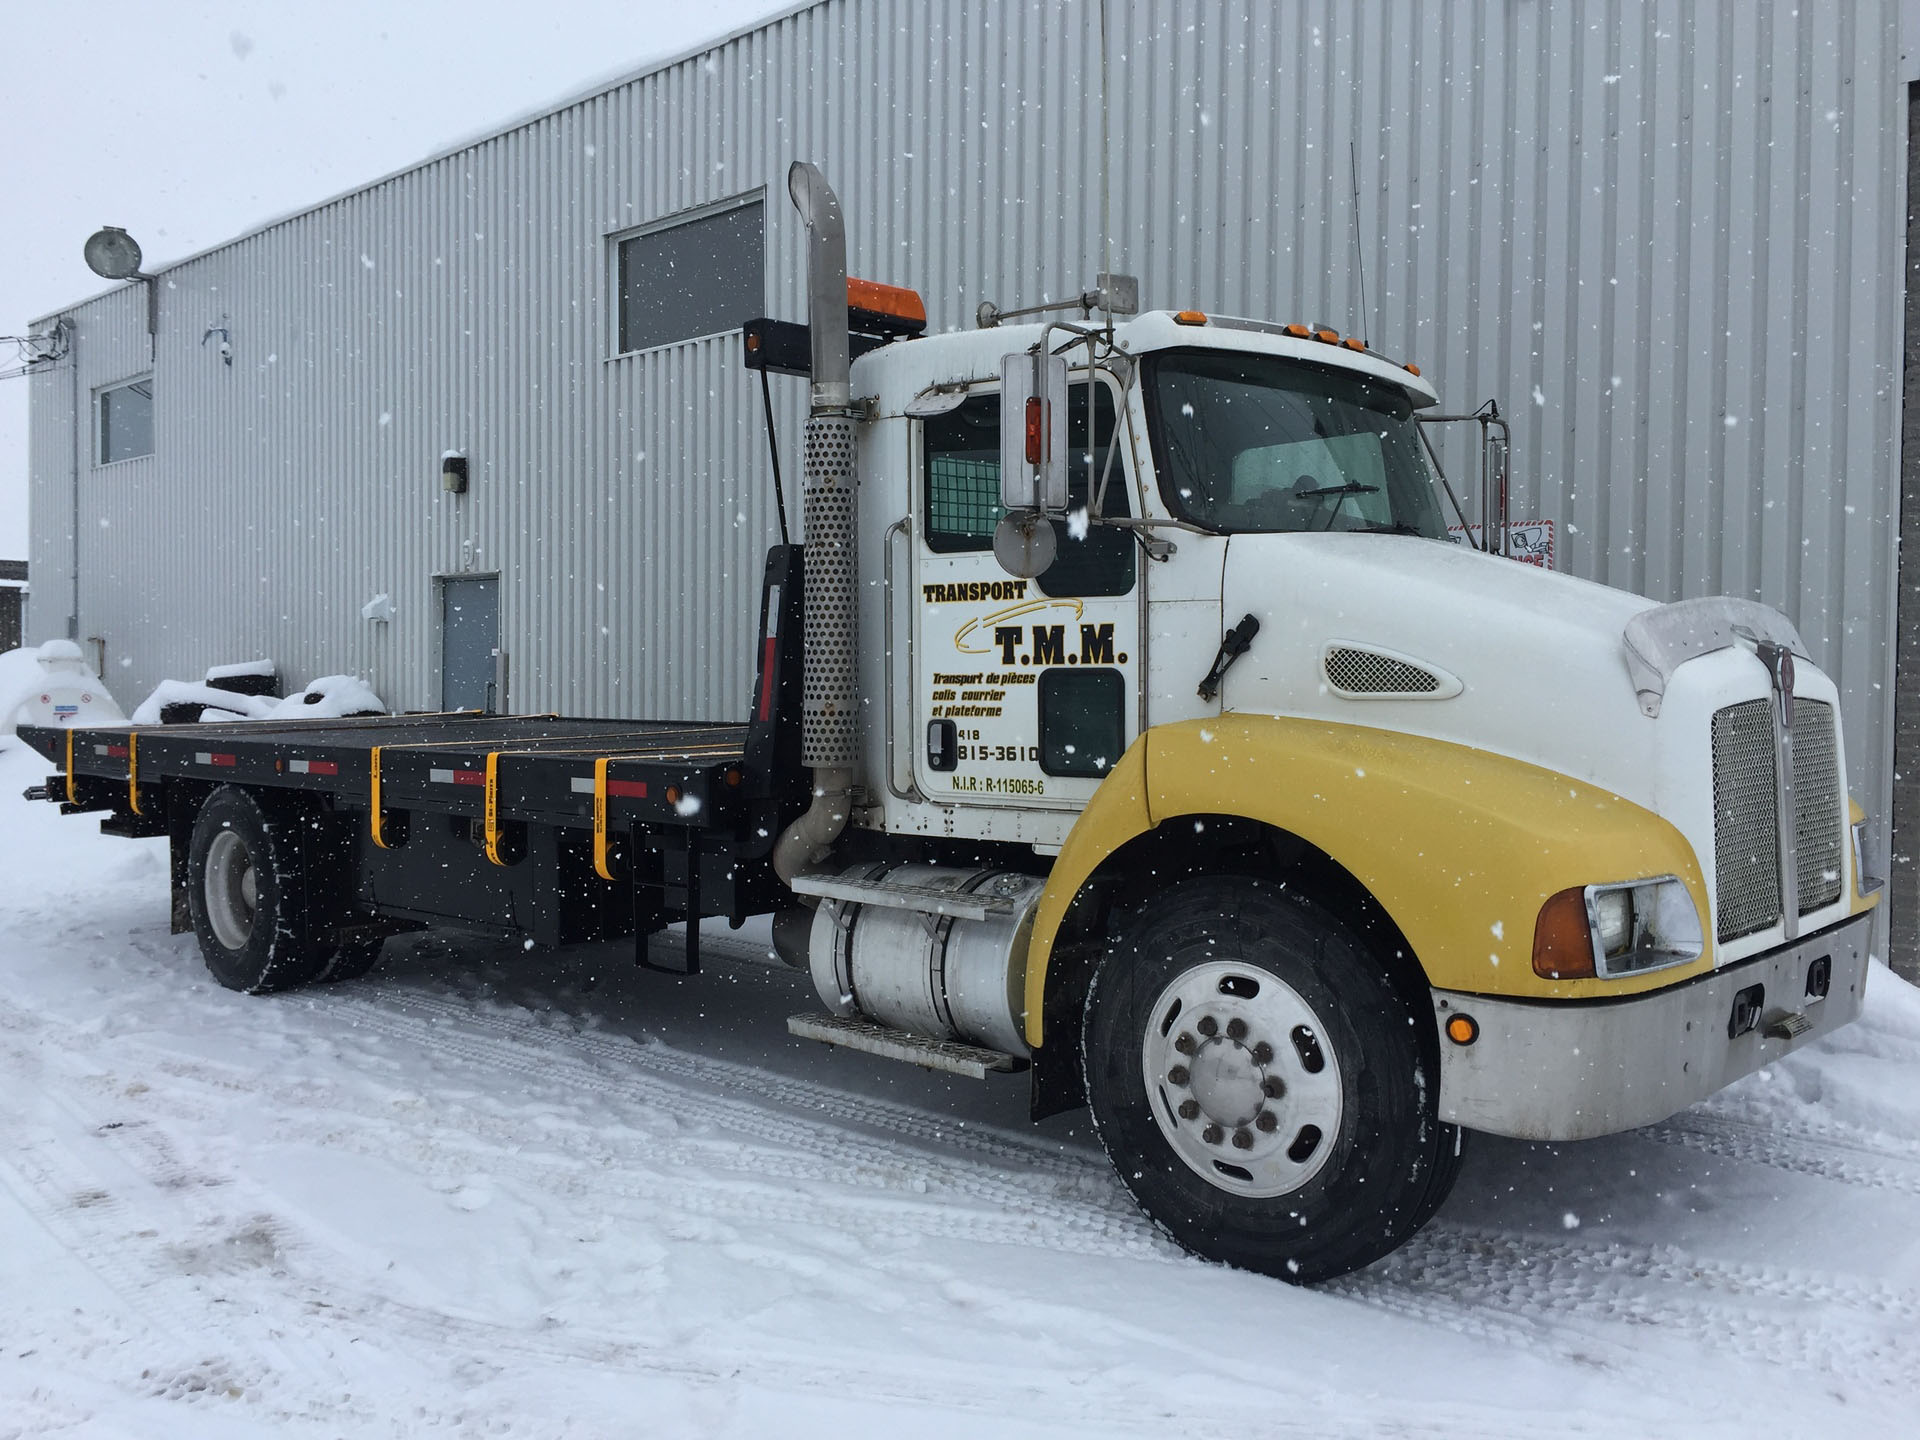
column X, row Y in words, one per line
column 1746, row 819
column 1746, row 827
column 1816, row 804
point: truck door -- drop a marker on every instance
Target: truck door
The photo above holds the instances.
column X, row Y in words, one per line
column 1025, row 692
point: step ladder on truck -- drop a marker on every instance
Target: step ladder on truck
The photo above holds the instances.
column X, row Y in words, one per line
column 1127, row 720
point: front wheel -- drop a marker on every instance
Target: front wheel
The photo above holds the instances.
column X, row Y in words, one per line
column 1260, row 1084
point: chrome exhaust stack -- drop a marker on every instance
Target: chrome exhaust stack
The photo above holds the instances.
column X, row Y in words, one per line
column 829, row 737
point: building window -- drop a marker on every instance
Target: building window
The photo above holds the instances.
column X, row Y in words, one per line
column 682, row 279
column 124, row 428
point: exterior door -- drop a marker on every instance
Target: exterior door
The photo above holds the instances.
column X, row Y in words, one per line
column 470, row 644
column 1024, row 691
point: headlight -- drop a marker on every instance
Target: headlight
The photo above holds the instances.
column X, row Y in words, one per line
column 1614, row 930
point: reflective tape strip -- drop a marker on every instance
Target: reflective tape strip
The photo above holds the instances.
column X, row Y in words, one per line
column 457, row 777
column 203, row 757
column 492, row 810
column 72, row 798
column 133, row 770
column 628, row 789
column 313, row 767
column 376, row 822
column 600, row 865
column 584, row 785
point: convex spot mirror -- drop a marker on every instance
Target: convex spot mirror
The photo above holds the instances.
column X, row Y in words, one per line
column 1033, row 432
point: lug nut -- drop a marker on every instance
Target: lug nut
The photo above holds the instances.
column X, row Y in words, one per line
column 1243, row 1140
column 1178, row 1075
column 1263, row 1054
column 1273, row 1087
column 1236, row 1029
column 1212, row 1134
column 1208, row 1026
column 1189, row 1109
column 1183, row 1042
column 1265, row 1123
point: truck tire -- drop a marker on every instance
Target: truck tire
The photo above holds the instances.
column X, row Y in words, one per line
column 247, row 895
column 1259, row 1083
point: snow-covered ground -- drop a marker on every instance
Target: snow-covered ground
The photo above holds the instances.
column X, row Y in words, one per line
column 495, row 1193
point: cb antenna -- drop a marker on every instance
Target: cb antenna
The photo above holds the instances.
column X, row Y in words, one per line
column 1359, row 254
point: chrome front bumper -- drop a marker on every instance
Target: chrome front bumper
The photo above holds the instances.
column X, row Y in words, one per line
column 1571, row 1070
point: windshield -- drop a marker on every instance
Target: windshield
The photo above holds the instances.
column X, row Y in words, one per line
column 1252, row 443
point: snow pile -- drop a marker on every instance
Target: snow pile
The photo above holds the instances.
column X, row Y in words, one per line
column 244, row 667
column 18, row 674
column 187, row 692
column 328, row 698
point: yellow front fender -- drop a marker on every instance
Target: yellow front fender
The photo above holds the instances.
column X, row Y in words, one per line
column 1460, row 847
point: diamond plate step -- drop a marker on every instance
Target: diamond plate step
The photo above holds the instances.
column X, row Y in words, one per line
column 972, row 1061
column 925, row 899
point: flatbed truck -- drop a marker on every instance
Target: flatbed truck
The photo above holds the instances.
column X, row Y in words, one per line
column 1127, row 719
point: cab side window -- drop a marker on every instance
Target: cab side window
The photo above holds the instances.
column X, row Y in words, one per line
column 961, row 492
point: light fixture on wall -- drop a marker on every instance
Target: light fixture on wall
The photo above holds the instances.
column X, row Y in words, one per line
column 453, row 473
column 112, row 254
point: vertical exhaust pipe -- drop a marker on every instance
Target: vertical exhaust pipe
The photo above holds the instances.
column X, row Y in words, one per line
column 829, row 736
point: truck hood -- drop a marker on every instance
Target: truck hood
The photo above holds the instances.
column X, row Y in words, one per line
column 1530, row 663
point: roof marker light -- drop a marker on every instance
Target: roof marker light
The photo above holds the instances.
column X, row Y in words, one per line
column 1298, row 331
column 1189, row 317
column 1327, row 337
column 1412, row 369
column 895, row 300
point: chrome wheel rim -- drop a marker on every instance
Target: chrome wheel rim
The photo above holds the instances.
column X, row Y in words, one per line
column 232, row 890
column 1241, row 1079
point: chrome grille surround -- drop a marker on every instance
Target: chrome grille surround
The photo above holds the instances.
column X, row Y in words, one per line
column 1746, row 824
column 1817, row 829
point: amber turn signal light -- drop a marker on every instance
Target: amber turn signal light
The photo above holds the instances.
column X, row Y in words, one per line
column 1563, row 938
column 1463, row 1029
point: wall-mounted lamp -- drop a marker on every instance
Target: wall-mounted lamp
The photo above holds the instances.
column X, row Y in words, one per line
column 453, row 473
column 112, row 254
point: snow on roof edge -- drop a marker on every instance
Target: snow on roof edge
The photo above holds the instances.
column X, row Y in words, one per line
column 592, row 91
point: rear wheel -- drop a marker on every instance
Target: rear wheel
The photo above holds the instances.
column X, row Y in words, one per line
column 1260, row 1083
column 247, row 895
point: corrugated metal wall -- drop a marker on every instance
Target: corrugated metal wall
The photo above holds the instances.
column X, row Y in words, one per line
column 1667, row 235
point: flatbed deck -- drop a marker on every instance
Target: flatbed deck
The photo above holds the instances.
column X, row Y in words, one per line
column 551, row 826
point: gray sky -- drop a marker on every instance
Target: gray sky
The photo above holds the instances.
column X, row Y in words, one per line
column 186, row 123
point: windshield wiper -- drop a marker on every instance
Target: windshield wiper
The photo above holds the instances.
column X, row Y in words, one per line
column 1352, row 487
column 1398, row 527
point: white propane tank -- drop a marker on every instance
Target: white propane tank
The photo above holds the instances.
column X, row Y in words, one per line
column 937, row 976
column 68, row 692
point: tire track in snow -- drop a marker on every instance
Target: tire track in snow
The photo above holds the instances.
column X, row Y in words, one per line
column 1828, row 1154
column 1521, row 1290
column 1518, row 1283
column 1779, row 1317
column 926, row 1127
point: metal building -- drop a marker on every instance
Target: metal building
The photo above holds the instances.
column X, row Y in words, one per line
column 1670, row 238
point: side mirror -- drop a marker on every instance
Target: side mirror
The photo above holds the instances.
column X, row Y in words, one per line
column 1033, row 432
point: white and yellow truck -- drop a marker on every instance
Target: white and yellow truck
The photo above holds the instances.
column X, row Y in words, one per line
column 1129, row 718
